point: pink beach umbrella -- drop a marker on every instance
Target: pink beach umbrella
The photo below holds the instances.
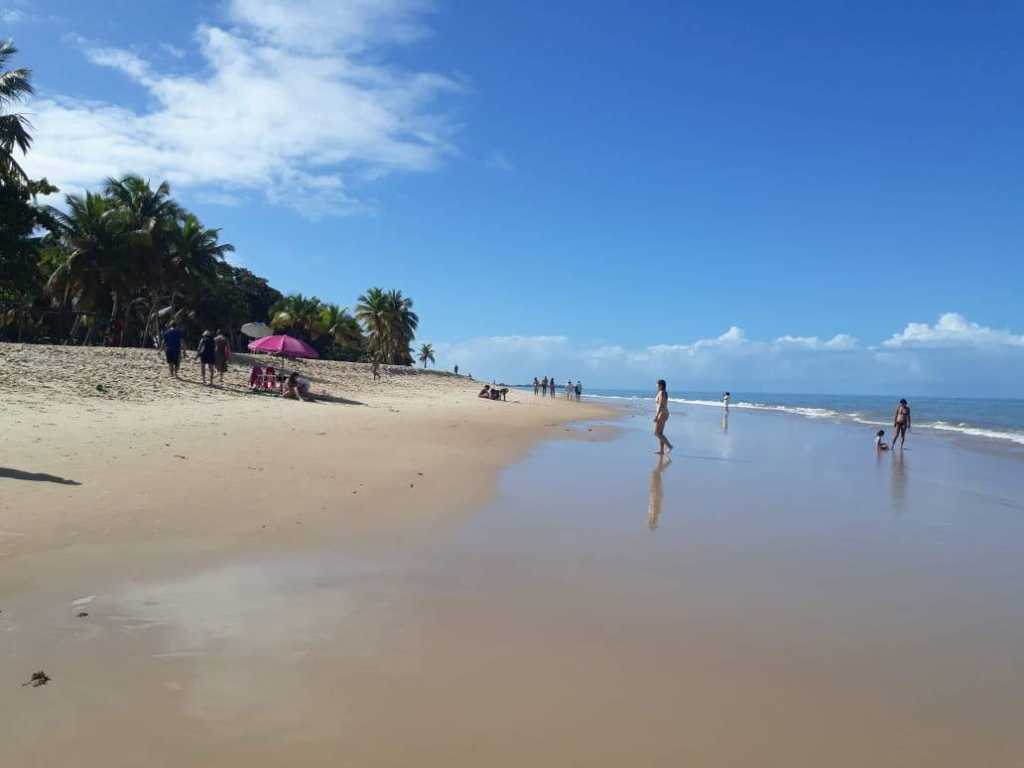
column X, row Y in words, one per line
column 287, row 346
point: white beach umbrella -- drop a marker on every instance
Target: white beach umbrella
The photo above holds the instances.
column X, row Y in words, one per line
column 257, row 330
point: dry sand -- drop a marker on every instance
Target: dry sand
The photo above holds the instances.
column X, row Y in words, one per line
column 105, row 456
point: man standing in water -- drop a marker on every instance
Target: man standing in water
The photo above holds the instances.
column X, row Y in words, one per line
column 901, row 421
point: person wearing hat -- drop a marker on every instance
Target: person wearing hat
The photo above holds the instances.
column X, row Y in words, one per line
column 206, row 351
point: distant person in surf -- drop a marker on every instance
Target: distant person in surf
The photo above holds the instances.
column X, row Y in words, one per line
column 536, row 385
column 544, row 387
column 901, row 421
column 880, row 444
column 725, row 400
column 551, row 383
column 579, row 390
column 661, row 416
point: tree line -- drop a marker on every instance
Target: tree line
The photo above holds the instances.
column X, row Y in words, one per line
column 117, row 265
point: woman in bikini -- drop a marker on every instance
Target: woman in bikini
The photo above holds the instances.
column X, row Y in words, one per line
column 660, row 417
column 901, row 421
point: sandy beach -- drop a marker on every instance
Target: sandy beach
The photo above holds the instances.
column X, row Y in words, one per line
column 405, row 574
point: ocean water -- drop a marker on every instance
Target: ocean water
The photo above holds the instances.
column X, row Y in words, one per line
column 988, row 418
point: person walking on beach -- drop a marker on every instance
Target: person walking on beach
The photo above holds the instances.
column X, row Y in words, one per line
column 579, row 390
column 568, row 389
column 536, row 386
column 222, row 352
column 725, row 400
column 552, row 385
column 661, row 416
column 375, row 367
column 544, row 387
column 456, row 370
column 901, row 421
column 172, row 349
column 206, row 351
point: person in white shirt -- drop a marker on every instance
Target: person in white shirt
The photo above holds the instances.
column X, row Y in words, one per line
column 880, row 444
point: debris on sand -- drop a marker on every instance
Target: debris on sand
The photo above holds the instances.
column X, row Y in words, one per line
column 38, row 678
column 82, row 614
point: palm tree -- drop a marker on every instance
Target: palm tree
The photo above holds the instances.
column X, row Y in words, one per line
column 194, row 251
column 298, row 314
column 426, row 354
column 372, row 312
column 403, row 322
column 15, row 86
column 98, row 249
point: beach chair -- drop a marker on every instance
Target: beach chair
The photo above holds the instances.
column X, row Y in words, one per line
column 270, row 379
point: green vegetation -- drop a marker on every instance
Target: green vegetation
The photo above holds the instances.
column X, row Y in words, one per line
column 118, row 265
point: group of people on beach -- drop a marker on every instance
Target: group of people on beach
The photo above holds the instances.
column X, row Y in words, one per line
column 546, row 386
column 901, row 423
column 212, row 351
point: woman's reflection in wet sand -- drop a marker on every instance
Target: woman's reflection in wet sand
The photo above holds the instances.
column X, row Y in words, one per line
column 725, row 420
column 898, row 486
column 657, row 492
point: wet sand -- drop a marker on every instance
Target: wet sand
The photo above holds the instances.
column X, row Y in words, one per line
column 776, row 595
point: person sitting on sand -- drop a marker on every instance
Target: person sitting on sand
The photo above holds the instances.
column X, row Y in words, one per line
column 880, row 444
column 297, row 387
column 172, row 349
column 206, row 351
column 485, row 393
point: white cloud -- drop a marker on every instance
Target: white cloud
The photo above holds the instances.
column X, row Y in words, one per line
column 11, row 15
column 725, row 357
column 294, row 102
column 326, row 25
column 955, row 358
column 952, row 330
column 173, row 50
column 839, row 342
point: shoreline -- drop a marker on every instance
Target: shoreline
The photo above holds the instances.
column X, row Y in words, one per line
column 980, row 437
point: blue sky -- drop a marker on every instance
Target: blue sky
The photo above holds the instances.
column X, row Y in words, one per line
column 781, row 196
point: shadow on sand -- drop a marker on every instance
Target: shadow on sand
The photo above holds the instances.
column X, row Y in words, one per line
column 36, row 477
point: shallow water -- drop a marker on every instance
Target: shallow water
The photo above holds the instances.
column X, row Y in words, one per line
column 777, row 594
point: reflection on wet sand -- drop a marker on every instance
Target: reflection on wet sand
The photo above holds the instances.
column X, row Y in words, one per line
column 725, row 421
column 657, row 493
column 898, row 485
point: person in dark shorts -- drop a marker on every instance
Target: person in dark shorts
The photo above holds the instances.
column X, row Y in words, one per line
column 172, row 349
column 206, row 351
column 222, row 353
